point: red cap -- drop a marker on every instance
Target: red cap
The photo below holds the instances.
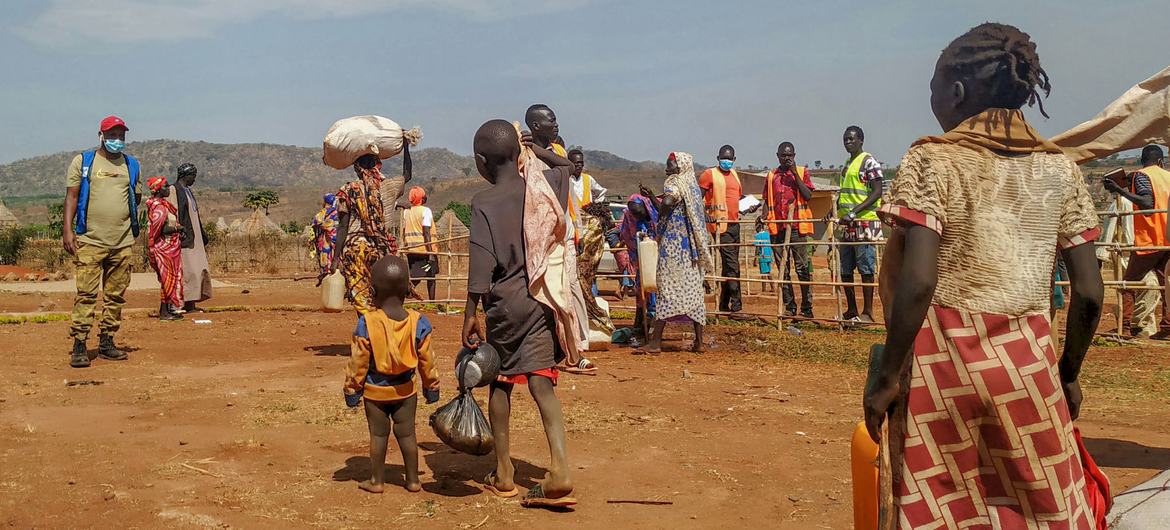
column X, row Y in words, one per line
column 112, row 121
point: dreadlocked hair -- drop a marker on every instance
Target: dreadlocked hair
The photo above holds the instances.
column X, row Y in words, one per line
column 1006, row 59
column 600, row 210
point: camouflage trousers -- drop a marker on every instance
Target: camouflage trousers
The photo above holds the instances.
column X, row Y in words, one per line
column 107, row 270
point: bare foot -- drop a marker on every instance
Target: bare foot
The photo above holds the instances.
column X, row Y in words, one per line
column 413, row 487
column 556, row 486
column 369, row 486
column 698, row 347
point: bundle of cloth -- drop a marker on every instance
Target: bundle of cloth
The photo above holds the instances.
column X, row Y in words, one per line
column 551, row 265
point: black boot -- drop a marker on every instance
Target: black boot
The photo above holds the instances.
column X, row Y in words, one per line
column 79, row 358
column 107, row 350
column 165, row 313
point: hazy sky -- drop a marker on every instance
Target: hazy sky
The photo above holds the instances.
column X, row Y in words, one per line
column 637, row 78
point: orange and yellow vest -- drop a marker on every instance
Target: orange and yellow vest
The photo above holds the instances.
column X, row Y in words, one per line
column 1150, row 230
column 575, row 205
column 412, row 231
column 715, row 200
column 802, row 210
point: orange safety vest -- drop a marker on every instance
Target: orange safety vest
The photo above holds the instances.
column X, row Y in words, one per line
column 1150, row 230
column 802, row 209
column 715, row 200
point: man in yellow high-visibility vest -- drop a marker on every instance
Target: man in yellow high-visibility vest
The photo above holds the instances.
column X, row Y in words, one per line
column 857, row 205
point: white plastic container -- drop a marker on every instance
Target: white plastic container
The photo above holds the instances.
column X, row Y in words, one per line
column 648, row 264
column 333, row 293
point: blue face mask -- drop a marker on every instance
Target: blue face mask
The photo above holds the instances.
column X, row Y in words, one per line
column 726, row 165
column 114, row 146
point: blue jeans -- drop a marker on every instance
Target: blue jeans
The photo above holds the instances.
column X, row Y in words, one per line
column 857, row 257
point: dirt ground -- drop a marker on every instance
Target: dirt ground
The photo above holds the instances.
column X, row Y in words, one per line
column 241, row 423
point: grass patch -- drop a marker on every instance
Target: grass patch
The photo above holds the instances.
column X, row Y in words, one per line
column 34, row 319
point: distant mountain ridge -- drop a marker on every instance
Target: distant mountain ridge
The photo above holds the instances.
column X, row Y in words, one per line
column 246, row 166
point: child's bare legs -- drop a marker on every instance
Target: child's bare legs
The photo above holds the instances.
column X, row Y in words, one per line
column 379, row 422
column 499, row 410
column 556, row 483
column 403, row 415
column 379, row 417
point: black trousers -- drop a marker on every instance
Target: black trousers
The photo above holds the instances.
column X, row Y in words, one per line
column 729, row 299
column 798, row 258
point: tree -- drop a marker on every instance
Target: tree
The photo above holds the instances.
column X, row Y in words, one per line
column 261, row 199
column 56, row 219
column 292, row 227
column 817, row 163
column 462, row 211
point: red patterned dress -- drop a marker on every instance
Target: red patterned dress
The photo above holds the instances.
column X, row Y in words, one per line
column 164, row 251
column 989, row 441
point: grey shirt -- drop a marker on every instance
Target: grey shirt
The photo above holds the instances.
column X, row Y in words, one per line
column 520, row 328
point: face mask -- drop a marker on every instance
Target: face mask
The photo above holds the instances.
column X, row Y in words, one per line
column 726, row 165
column 114, row 146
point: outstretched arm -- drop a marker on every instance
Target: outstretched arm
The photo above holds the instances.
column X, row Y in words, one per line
column 1084, row 313
column 407, row 165
column 1143, row 199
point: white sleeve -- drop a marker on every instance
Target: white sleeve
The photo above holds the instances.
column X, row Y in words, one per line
column 428, row 217
column 599, row 191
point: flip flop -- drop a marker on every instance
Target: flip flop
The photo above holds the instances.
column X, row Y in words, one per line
column 584, row 367
column 489, row 483
column 536, row 499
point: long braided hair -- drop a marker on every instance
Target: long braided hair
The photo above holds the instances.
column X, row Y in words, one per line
column 1005, row 59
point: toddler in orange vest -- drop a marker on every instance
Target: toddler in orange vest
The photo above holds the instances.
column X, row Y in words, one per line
column 389, row 346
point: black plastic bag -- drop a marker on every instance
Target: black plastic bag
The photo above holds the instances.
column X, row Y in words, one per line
column 461, row 425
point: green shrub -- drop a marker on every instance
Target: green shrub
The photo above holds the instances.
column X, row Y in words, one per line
column 213, row 233
column 12, row 243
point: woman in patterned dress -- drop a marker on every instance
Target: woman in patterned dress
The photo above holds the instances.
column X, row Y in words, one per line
column 163, row 246
column 980, row 407
column 325, row 232
column 684, row 252
column 359, row 206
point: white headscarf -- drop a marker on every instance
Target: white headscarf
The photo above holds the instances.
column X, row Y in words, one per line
column 691, row 198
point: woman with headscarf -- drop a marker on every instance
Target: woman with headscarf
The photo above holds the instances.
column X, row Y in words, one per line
column 684, row 252
column 641, row 217
column 359, row 206
column 164, row 250
column 418, row 223
column 325, row 232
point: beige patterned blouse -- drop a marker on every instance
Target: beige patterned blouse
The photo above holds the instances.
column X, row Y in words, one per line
column 1001, row 219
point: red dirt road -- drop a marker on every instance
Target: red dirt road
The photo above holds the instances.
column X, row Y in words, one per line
column 240, row 423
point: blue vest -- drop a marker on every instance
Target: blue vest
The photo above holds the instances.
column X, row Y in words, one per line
column 79, row 225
